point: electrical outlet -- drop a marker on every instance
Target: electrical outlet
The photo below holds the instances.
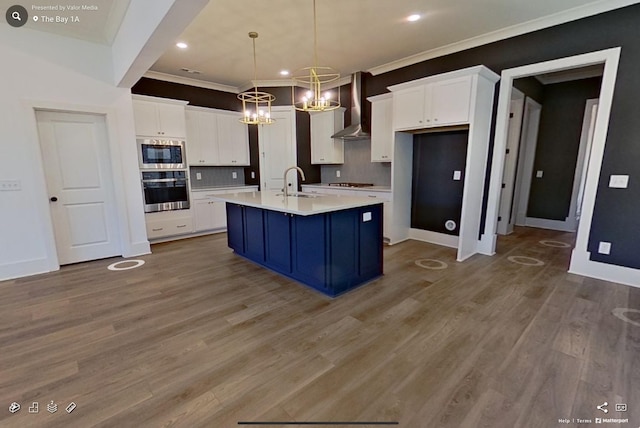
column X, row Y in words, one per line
column 10, row 185
column 234, row 175
column 619, row 181
column 604, row 247
column 539, row 174
column 457, row 175
column 338, row 173
column 198, row 176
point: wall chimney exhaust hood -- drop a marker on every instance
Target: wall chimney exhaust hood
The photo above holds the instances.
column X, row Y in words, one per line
column 355, row 131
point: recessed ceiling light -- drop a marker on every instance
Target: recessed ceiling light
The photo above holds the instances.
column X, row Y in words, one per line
column 284, row 72
column 182, row 45
column 413, row 18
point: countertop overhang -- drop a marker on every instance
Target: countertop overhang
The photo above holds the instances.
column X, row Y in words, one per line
column 305, row 206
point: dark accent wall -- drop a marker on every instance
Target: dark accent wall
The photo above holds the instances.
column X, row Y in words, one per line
column 557, row 147
column 617, row 212
column 435, row 196
column 531, row 87
column 196, row 96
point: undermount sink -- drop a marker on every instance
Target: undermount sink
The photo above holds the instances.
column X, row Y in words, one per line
column 298, row 195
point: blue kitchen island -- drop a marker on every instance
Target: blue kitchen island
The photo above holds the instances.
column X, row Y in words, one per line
column 328, row 242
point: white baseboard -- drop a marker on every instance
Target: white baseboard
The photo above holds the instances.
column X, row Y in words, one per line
column 543, row 223
column 138, row 249
column 25, row 268
column 487, row 244
column 582, row 265
column 434, row 237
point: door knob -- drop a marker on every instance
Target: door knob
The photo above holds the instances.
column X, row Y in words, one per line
column 53, row 199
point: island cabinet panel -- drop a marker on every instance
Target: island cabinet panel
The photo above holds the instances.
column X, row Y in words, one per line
column 277, row 240
column 310, row 251
column 254, row 233
column 235, row 227
column 368, row 241
column 343, row 248
column 331, row 252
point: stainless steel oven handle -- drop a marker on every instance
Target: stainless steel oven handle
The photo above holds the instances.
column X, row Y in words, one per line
column 164, row 180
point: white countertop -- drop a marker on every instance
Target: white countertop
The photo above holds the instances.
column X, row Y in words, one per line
column 318, row 204
column 362, row 189
column 219, row 188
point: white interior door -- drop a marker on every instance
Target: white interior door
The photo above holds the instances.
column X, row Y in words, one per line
column 530, row 127
column 586, row 140
column 505, row 221
column 77, row 168
column 277, row 145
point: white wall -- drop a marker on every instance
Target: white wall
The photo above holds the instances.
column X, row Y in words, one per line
column 28, row 79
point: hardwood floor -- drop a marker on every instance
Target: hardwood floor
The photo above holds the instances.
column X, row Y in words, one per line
column 198, row 337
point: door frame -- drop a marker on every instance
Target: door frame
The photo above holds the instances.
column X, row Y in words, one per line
column 514, row 136
column 127, row 247
column 580, row 257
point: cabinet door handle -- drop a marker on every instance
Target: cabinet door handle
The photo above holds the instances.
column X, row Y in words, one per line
column 372, row 196
column 158, row 229
column 181, row 225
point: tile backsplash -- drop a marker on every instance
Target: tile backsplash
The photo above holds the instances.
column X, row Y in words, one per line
column 358, row 167
column 214, row 176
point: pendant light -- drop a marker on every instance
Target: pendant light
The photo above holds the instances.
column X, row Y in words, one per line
column 316, row 97
column 256, row 105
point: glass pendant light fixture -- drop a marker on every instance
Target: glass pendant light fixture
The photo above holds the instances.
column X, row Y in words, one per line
column 256, row 105
column 316, row 98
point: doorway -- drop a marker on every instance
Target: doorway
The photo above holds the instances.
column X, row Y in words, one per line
column 76, row 162
column 610, row 58
column 277, row 147
column 542, row 191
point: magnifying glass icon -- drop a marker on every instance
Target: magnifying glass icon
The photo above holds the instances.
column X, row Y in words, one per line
column 16, row 15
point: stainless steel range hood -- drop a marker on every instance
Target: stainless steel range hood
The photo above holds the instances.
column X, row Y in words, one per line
column 355, row 131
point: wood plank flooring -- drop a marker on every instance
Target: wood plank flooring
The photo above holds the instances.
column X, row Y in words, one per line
column 198, row 337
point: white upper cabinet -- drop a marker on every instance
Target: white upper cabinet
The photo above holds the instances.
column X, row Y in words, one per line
column 159, row 118
column 202, row 138
column 216, row 137
column 324, row 149
column 381, row 128
column 233, row 140
column 425, row 105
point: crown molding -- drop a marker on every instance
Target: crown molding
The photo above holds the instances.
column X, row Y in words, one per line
column 191, row 82
column 276, row 83
column 505, row 33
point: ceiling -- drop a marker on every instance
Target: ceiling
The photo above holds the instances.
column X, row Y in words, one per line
column 353, row 35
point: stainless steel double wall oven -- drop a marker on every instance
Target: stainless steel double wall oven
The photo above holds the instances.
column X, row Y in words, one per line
column 163, row 168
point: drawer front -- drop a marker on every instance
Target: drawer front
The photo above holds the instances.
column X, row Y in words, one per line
column 162, row 228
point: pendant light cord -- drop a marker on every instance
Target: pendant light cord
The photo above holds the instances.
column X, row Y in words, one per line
column 315, row 36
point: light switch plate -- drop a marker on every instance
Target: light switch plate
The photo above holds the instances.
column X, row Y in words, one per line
column 457, row 175
column 253, row 174
column 604, row 247
column 366, row 216
column 619, row 181
column 198, row 176
column 10, row 185
column 234, row 175
column 539, row 174
column 338, row 173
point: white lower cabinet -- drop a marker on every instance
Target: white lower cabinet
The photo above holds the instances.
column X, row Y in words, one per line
column 209, row 213
column 385, row 198
column 170, row 223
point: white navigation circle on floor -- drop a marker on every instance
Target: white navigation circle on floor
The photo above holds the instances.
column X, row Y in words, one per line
column 431, row 264
column 555, row 244
column 116, row 265
column 527, row 261
column 621, row 313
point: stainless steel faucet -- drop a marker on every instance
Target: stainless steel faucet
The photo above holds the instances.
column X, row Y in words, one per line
column 285, row 178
